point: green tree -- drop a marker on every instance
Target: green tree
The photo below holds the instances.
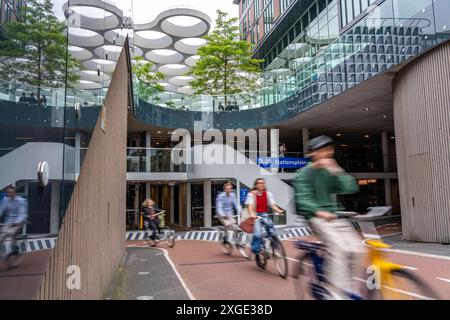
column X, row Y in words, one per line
column 148, row 81
column 34, row 49
column 226, row 66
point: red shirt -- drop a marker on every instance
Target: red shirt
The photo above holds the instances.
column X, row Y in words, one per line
column 261, row 202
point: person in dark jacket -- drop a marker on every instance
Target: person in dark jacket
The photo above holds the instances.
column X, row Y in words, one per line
column 150, row 212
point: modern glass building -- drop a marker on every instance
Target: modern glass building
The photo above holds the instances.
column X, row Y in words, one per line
column 85, row 144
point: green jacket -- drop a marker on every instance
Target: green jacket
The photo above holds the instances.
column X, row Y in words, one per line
column 314, row 188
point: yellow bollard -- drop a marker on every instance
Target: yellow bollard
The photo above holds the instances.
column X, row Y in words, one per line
column 162, row 220
column 141, row 222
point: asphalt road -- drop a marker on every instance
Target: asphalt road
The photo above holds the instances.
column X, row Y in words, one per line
column 209, row 274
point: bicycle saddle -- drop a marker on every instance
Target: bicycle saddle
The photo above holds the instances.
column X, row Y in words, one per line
column 309, row 246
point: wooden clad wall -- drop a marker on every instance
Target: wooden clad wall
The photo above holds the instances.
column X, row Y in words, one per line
column 422, row 129
column 92, row 235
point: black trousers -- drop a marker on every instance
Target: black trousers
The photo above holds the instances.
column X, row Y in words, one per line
column 153, row 225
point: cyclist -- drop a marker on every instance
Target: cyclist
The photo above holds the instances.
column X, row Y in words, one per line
column 150, row 211
column 14, row 208
column 315, row 187
column 258, row 202
column 226, row 204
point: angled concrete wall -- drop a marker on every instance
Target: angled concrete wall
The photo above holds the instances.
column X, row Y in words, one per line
column 93, row 231
column 422, row 130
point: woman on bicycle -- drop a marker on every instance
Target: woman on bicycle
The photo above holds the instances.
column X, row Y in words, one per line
column 150, row 212
column 258, row 202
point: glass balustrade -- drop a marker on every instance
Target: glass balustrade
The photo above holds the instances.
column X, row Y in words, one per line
column 389, row 35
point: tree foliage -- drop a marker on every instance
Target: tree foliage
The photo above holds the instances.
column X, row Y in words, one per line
column 33, row 49
column 148, row 81
column 226, row 66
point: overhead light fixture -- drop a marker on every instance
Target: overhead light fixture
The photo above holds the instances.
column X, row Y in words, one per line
column 366, row 109
column 158, row 132
column 384, row 116
column 24, row 138
column 338, row 135
column 366, row 136
column 392, row 137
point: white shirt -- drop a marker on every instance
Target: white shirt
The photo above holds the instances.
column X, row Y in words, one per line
column 251, row 198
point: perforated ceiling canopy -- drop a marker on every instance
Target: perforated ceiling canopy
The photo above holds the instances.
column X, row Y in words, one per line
column 97, row 31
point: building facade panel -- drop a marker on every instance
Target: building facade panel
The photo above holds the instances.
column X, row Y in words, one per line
column 422, row 125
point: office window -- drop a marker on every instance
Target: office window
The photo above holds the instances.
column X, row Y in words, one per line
column 257, row 8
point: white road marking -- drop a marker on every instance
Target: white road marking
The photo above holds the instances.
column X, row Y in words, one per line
column 409, row 268
column 443, row 279
column 143, row 273
column 415, row 295
column 188, row 291
column 420, row 254
column 145, row 298
column 143, row 260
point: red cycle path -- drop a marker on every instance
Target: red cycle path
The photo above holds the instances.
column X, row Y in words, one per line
column 209, row 274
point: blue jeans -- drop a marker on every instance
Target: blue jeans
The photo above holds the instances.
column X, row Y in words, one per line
column 257, row 231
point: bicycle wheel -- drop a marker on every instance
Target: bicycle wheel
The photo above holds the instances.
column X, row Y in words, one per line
column 307, row 286
column 279, row 256
column 13, row 259
column 405, row 286
column 171, row 239
column 227, row 247
column 240, row 244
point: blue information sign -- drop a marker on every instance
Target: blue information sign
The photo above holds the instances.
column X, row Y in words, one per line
column 243, row 195
column 285, row 163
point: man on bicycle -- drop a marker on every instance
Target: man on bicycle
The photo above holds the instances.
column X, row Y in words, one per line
column 226, row 204
column 258, row 202
column 13, row 213
column 315, row 188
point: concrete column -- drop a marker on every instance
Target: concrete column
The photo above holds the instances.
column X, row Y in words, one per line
column 274, row 146
column 188, row 206
column 305, row 138
column 385, row 152
column 148, row 145
column 172, row 203
column 54, row 207
column 147, row 190
column 77, row 155
column 238, row 197
column 207, row 205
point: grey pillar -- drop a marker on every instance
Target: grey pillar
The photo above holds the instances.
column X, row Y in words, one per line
column 172, row 203
column 188, row 206
column 305, row 139
column 385, row 152
column 77, row 159
column 148, row 145
column 207, row 205
column 54, row 207
column 274, row 146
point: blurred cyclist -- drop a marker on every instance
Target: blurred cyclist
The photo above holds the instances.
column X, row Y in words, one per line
column 13, row 210
column 150, row 211
column 226, row 203
column 258, row 203
column 315, row 187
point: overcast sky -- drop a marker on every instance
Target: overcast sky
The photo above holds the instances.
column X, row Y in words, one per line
column 147, row 10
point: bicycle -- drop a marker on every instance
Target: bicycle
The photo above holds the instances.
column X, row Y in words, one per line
column 312, row 282
column 235, row 236
column 13, row 258
column 272, row 248
column 168, row 236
